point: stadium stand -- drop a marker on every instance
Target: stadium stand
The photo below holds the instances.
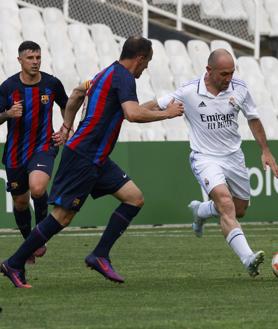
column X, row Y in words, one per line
column 77, row 46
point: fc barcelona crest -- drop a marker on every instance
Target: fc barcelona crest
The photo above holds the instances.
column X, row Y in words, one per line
column 44, row 99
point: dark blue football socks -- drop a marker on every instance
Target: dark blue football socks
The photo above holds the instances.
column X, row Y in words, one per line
column 23, row 220
column 40, row 205
column 37, row 238
column 118, row 223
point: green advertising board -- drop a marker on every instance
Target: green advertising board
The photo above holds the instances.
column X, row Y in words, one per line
column 162, row 171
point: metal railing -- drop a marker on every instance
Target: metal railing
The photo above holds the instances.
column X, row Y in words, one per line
column 126, row 17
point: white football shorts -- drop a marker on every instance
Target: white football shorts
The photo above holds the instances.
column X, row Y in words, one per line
column 211, row 171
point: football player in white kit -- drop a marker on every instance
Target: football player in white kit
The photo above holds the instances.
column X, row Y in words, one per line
column 211, row 107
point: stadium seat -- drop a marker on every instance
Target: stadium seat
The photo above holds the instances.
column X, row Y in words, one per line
column 199, row 52
column 180, row 62
column 130, row 131
column 144, row 89
column 11, row 4
column 3, row 76
column 82, row 40
column 175, row 129
column 5, row 18
column 211, row 9
column 9, row 34
column 215, row 44
column 272, row 10
column 265, row 27
column 53, row 16
column 57, row 117
column 234, row 9
column 86, row 58
column 107, row 47
column 247, row 65
column 153, row 131
column 31, row 19
column 3, row 132
column 161, row 76
column 269, row 67
column 269, row 121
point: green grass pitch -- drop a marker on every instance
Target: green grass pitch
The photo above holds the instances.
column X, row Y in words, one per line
column 173, row 280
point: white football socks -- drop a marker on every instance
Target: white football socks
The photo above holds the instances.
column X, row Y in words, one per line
column 237, row 241
column 207, row 209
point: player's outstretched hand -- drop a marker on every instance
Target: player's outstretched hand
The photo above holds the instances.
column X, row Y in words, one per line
column 60, row 137
column 16, row 110
column 174, row 109
column 269, row 160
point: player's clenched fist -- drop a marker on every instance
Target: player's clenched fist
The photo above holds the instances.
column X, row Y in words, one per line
column 174, row 109
column 16, row 110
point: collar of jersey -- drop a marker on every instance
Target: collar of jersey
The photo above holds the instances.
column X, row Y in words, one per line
column 202, row 90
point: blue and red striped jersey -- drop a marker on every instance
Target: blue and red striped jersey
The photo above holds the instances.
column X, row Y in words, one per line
column 102, row 116
column 32, row 132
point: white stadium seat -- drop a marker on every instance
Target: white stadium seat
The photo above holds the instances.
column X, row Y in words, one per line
column 180, row 62
column 215, row 44
column 176, row 129
column 153, row 131
column 211, row 9
column 3, row 132
column 272, row 10
column 130, row 131
column 144, row 89
column 199, row 52
column 269, row 68
column 106, row 45
column 161, row 76
column 31, row 19
column 53, row 16
column 234, row 9
column 265, row 27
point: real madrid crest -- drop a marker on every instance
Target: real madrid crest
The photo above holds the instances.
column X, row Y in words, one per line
column 44, row 99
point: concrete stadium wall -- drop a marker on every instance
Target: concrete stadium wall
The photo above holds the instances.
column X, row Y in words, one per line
column 161, row 170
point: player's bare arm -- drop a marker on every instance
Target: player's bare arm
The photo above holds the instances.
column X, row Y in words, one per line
column 14, row 112
column 260, row 136
column 74, row 103
column 151, row 105
column 136, row 113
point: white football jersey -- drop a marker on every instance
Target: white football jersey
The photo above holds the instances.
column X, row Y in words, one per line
column 212, row 120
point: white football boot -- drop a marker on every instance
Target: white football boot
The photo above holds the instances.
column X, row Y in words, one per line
column 252, row 265
column 198, row 223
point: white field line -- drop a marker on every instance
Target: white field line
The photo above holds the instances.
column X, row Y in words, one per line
column 155, row 232
column 273, row 224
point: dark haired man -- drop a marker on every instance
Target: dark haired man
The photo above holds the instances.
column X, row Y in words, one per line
column 86, row 168
column 26, row 101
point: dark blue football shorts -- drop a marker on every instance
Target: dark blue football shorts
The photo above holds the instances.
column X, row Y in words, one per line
column 77, row 177
column 18, row 178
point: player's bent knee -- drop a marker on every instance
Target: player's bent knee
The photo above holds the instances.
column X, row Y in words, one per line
column 62, row 215
column 139, row 202
column 37, row 191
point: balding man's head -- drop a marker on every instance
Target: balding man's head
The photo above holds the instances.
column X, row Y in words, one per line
column 220, row 70
column 219, row 57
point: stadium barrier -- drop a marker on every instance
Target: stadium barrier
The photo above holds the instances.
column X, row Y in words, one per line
column 162, row 171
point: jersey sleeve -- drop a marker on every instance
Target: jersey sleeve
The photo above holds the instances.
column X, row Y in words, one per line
column 165, row 100
column 61, row 97
column 126, row 87
column 248, row 108
column 3, row 98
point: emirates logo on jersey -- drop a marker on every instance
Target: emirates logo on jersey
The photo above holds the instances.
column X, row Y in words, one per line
column 44, row 99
